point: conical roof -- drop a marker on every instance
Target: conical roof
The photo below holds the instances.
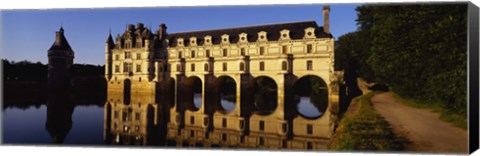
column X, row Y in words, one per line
column 61, row 42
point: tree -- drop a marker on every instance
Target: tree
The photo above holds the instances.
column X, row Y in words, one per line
column 418, row 50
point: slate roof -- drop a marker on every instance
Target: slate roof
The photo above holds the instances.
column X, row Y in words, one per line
column 273, row 33
column 62, row 43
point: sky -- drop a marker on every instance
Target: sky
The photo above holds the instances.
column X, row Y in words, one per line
column 28, row 34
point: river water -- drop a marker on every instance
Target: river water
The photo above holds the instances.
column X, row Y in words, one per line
column 58, row 120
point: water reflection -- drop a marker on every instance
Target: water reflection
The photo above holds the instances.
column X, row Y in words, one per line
column 59, row 115
column 228, row 102
column 146, row 120
column 197, row 100
column 307, row 108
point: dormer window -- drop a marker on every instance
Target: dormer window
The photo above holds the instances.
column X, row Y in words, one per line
column 225, row 38
column 285, row 34
column 193, row 41
column 309, row 33
column 243, row 37
column 262, row 36
column 180, row 41
column 208, row 40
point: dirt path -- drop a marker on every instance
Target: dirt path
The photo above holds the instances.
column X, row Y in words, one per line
column 422, row 127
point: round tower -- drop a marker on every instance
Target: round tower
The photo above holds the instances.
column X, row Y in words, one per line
column 60, row 59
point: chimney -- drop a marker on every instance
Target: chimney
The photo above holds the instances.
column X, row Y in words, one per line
column 162, row 31
column 58, row 37
column 326, row 19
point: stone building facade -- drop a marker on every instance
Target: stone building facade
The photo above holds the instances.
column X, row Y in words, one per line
column 143, row 62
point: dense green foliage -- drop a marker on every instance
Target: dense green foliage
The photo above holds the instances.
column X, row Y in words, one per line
column 29, row 71
column 363, row 129
column 417, row 50
column 24, row 71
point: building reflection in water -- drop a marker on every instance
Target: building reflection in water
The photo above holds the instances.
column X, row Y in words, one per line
column 59, row 115
column 146, row 120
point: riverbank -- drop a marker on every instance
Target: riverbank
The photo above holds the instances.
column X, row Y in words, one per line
column 363, row 129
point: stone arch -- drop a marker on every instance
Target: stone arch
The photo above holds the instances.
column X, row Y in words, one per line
column 193, row 93
column 310, row 96
column 225, row 93
column 265, row 94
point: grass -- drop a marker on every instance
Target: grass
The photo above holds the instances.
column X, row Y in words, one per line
column 362, row 128
column 458, row 120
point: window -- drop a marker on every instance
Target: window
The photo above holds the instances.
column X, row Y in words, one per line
column 192, row 134
column 261, row 141
column 284, row 49
column 284, row 143
column 127, row 55
column 242, row 51
column 309, row 48
column 284, row 65
column 117, row 69
column 192, row 67
column 139, row 56
column 262, row 125
column 193, row 53
column 224, row 66
column 180, row 54
column 309, row 65
column 139, row 44
column 205, row 67
column 262, row 50
column 127, row 67
column 284, row 127
column 309, row 145
column 309, row 129
column 224, row 137
column 137, row 116
column 262, row 66
column 242, row 66
column 117, row 57
column 115, row 114
column 205, row 122
column 224, row 122
column 192, row 120
column 139, row 68
column 179, row 67
column 124, row 116
column 224, row 52
column 242, row 123
column 207, row 53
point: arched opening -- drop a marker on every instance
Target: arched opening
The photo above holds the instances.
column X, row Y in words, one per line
column 127, row 84
column 168, row 96
column 265, row 95
column 311, row 96
column 193, row 86
column 226, row 93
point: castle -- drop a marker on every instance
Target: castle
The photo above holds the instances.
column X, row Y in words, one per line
column 146, row 63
